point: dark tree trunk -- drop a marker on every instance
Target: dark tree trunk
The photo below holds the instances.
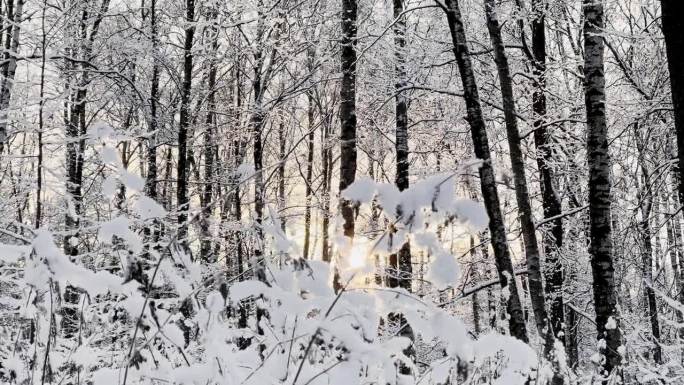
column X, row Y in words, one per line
column 151, row 178
column 647, row 270
column 309, row 167
column 209, row 148
column 10, row 64
column 237, row 214
column 167, row 193
column 41, row 122
column 487, row 182
column 646, row 199
column 578, row 236
column 182, row 168
column 348, row 111
column 520, row 180
column 553, row 237
column 326, row 155
column 601, row 246
column 401, row 271
column 401, row 105
column 183, row 203
column 126, row 152
column 400, row 263
column 571, row 342
column 282, row 148
column 237, row 202
column 75, row 149
column 489, row 274
column 256, row 126
column 673, row 30
column 572, row 319
column 152, row 232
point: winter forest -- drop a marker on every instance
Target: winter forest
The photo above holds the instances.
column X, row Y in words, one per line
column 311, row 192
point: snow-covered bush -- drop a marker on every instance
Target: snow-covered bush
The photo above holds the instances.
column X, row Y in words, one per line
column 184, row 322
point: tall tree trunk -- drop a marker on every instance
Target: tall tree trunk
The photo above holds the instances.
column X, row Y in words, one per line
column 487, row 182
column 151, row 178
column 348, row 112
column 148, row 150
column 237, row 215
column 601, row 246
column 75, row 119
column 41, row 121
column 400, row 263
column 647, row 271
column 309, row 160
column 401, row 271
column 256, row 125
column 237, row 235
column 572, row 318
column 282, row 162
column 237, row 201
column 209, row 147
column 73, row 189
column 326, row 155
column 520, row 180
column 10, row 64
column 571, row 343
column 153, row 125
column 167, row 194
column 183, row 203
column 553, row 238
column 126, row 153
column 578, row 237
column 182, row 167
column 646, row 200
column 673, row 30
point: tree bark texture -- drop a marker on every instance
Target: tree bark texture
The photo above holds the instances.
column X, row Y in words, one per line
column 490, row 195
column 601, row 246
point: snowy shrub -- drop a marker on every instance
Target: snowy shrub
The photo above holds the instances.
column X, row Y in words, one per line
column 157, row 316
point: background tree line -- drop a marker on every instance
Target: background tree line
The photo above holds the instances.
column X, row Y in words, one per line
column 229, row 130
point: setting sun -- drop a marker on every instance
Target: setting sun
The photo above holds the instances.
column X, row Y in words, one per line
column 357, row 257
